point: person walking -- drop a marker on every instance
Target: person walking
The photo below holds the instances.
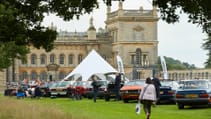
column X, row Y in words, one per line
column 95, row 87
column 117, row 85
column 148, row 97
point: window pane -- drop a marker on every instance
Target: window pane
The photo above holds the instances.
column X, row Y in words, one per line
column 61, row 59
column 61, row 75
column 43, row 76
column 33, row 59
column 70, row 59
column 42, row 59
column 33, row 75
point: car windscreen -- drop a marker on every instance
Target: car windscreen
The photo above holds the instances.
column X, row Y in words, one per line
column 172, row 84
column 195, row 85
column 135, row 83
column 63, row 84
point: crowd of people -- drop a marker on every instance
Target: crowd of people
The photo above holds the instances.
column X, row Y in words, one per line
column 25, row 89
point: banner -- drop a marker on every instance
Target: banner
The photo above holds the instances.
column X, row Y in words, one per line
column 120, row 64
column 164, row 67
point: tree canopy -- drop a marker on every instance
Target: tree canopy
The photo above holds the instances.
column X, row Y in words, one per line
column 207, row 46
column 20, row 24
column 20, row 20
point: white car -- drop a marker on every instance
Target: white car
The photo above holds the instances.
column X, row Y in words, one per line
column 60, row 88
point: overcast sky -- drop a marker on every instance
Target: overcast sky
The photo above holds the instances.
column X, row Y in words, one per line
column 180, row 41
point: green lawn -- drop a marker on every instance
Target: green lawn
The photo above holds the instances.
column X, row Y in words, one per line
column 87, row 109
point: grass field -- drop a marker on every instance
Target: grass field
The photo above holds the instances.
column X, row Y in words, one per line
column 64, row 108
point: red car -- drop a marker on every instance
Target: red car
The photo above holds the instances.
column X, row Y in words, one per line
column 78, row 88
column 131, row 90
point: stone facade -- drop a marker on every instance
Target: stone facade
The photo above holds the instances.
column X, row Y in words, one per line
column 189, row 74
column 130, row 33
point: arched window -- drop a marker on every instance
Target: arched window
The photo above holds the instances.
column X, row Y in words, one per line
column 138, row 56
column 43, row 76
column 33, row 59
column 61, row 59
column 33, row 75
column 71, row 59
column 80, row 58
column 61, row 75
column 43, row 59
column 52, row 58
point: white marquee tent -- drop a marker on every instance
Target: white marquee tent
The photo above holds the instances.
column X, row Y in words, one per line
column 92, row 64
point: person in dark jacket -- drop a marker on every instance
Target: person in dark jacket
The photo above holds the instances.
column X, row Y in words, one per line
column 118, row 85
column 95, row 87
column 157, row 85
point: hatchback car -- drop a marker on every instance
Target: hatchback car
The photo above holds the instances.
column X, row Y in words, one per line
column 193, row 92
column 131, row 90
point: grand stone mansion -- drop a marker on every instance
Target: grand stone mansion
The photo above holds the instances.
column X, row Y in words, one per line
column 130, row 33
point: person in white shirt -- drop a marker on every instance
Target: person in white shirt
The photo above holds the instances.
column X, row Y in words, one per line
column 148, row 97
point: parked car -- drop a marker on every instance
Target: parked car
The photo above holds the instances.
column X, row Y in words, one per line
column 79, row 87
column 11, row 89
column 167, row 91
column 193, row 92
column 60, row 88
column 101, row 91
column 131, row 90
column 110, row 90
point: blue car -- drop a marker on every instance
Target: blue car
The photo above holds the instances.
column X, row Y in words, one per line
column 193, row 92
column 167, row 91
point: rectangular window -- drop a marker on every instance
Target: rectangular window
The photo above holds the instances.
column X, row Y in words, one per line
column 52, row 59
column 42, row 60
column 137, row 35
column 70, row 59
column 61, row 61
column 132, row 59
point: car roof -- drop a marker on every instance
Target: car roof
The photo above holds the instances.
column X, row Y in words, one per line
column 195, row 80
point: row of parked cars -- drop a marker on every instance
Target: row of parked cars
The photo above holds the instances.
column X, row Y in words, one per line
column 182, row 93
column 130, row 90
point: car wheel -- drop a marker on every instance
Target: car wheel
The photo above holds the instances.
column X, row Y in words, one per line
column 107, row 98
column 89, row 97
column 125, row 100
column 180, row 106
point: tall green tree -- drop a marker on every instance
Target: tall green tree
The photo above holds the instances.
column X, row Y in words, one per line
column 20, row 24
column 207, row 46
